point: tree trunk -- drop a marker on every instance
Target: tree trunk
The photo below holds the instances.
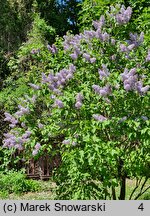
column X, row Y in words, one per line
column 123, row 188
column 113, row 193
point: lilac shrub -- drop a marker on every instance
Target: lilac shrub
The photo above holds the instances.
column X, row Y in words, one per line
column 93, row 102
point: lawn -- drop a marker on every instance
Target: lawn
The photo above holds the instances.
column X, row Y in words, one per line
column 47, row 192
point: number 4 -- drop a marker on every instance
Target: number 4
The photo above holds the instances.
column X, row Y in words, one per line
column 141, row 207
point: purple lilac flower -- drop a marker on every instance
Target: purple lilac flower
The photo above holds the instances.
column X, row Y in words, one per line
column 25, row 110
column 106, row 90
column 34, row 152
column 19, row 147
column 98, row 117
column 135, row 39
column 35, row 87
column 11, row 140
column 40, row 126
column 23, row 125
column 123, row 16
column 123, row 119
column 123, row 48
column 105, row 36
column 98, row 34
column 145, row 89
column 130, row 47
column 74, row 56
column 103, row 72
column 72, row 68
column 78, row 105
column 148, row 56
column 52, row 49
column 145, row 118
column 69, row 76
column 130, row 81
column 35, row 51
column 100, row 23
column 49, row 47
column 79, row 98
column 66, row 142
column 59, row 103
column 52, row 96
column 44, row 78
column 57, row 92
column 8, row 117
column 86, row 56
column 96, row 88
column 22, row 111
column 92, row 60
column 113, row 41
column 96, row 24
column 74, row 143
column 37, row 146
column 27, row 134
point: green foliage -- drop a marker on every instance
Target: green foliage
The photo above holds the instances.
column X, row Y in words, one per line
column 16, row 182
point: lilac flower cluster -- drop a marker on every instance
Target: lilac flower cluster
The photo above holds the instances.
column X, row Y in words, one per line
column 59, row 79
column 105, row 91
column 89, row 34
column 73, row 42
column 40, row 126
column 35, row 51
column 53, row 49
column 58, row 103
column 11, row 139
column 30, row 99
column 148, row 56
column 36, row 149
column 126, row 49
column 79, row 98
column 103, row 72
column 88, row 58
column 35, row 87
column 130, row 81
column 135, row 39
column 98, row 117
column 99, row 24
column 124, row 15
column 22, row 110
column 104, row 37
column 66, row 142
column 10, row 119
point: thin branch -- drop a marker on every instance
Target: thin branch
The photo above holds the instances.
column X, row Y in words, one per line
column 140, row 194
column 137, row 185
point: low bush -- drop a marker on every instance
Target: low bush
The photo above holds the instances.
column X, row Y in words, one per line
column 16, row 182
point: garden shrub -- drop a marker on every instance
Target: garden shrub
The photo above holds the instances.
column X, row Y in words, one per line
column 89, row 96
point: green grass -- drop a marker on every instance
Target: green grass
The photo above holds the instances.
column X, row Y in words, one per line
column 46, row 192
